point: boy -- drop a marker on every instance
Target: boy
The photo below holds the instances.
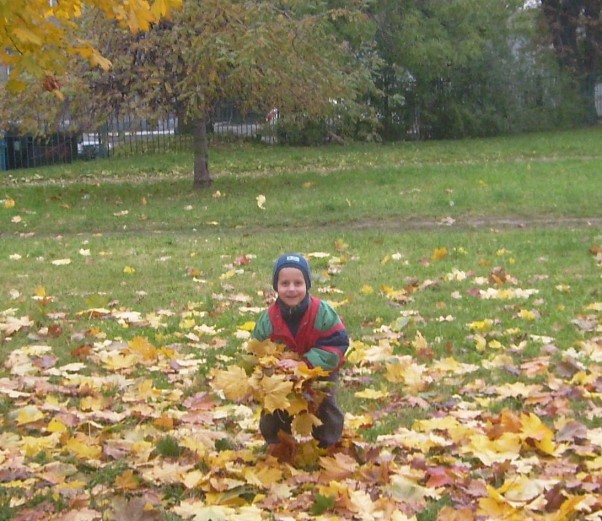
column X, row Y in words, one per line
column 311, row 328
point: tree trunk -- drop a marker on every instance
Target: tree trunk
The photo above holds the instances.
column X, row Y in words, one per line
column 202, row 179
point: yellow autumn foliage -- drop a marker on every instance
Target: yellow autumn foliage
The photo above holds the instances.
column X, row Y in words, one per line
column 37, row 36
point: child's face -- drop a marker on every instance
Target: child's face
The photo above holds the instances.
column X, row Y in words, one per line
column 291, row 286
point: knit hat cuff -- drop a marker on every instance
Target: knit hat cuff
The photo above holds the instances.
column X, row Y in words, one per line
column 292, row 260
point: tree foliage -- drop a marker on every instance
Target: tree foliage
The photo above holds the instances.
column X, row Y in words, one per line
column 289, row 55
column 575, row 31
column 448, row 67
column 38, row 37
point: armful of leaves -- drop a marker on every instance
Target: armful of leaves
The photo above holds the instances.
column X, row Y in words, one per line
column 260, row 379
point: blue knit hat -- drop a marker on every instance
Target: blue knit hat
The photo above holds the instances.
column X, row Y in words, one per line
column 292, row 260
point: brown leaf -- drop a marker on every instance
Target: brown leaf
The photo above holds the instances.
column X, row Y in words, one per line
column 596, row 249
column 338, row 467
column 82, row 351
column 200, row 402
column 286, row 450
column 40, row 513
column 135, row 509
column 439, row 477
column 572, row 431
column 498, row 276
column 243, row 260
column 555, row 497
column 567, row 368
column 83, row 514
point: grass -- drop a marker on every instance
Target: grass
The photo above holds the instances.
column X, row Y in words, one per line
column 155, row 244
column 468, row 181
column 414, row 234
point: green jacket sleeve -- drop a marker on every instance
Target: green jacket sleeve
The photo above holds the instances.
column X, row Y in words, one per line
column 263, row 327
column 324, row 359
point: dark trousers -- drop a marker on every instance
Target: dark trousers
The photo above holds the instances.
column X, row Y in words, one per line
column 327, row 434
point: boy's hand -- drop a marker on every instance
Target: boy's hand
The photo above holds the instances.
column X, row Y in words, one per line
column 289, row 364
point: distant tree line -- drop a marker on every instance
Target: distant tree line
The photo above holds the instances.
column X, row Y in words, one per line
column 338, row 69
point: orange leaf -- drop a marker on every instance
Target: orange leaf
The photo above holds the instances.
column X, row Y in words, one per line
column 439, row 253
column 165, row 423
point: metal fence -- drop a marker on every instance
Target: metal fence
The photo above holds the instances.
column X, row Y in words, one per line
column 123, row 134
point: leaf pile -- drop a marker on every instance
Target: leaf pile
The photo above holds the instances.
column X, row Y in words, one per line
column 132, row 428
column 299, row 392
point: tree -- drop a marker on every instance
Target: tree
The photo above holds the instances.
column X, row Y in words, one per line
column 575, row 30
column 261, row 54
column 38, row 37
column 437, row 57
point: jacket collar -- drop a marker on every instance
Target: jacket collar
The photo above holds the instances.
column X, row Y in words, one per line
column 294, row 311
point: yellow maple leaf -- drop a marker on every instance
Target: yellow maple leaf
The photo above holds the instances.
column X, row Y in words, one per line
column 505, row 448
column 29, row 414
column 127, row 481
column 491, row 508
column 187, row 323
column 366, row 290
column 91, row 403
column 84, row 448
column 56, row 426
column 419, row 343
column 143, row 348
column 233, row 381
column 297, row 405
column 526, row 314
column 595, row 465
column 147, row 389
column 482, row 326
column 274, row 392
column 194, row 445
column 518, row 490
column 264, row 347
column 444, row 423
column 304, row 423
column 9, row 202
column 263, row 475
column 118, row 361
column 534, row 429
column 481, row 343
column 192, row 479
column 371, row 394
column 247, row 326
column 33, row 445
column 408, row 373
column 361, row 504
column 311, row 372
column 228, row 274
